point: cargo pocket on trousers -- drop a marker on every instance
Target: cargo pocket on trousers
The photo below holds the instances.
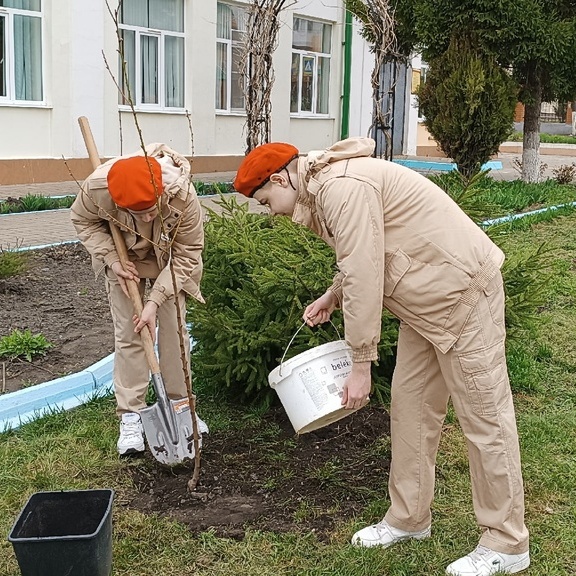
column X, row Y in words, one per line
column 486, row 379
column 495, row 298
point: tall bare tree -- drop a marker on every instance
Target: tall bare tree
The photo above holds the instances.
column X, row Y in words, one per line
column 378, row 28
column 256, row 67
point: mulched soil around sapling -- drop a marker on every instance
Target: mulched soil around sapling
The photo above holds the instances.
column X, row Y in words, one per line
column 265, row 477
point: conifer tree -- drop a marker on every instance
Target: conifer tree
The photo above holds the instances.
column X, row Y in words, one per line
column 468, row 102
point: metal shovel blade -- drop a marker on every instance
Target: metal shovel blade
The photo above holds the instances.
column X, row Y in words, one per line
column 168, row 427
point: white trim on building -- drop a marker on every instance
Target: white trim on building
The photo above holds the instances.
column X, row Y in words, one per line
column 80, row 56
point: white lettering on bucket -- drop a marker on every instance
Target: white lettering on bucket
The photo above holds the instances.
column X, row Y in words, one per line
column 314, row 387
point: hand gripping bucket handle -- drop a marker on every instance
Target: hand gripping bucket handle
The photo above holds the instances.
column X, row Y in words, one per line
column 292, row 340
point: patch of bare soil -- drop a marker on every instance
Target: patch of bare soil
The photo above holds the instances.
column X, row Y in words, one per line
column 259, row 475
column 57, row 296
column 267, row 478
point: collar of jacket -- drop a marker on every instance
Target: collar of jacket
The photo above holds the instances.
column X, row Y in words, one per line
column 319, row 162
column 305, row 212
column 173, row 180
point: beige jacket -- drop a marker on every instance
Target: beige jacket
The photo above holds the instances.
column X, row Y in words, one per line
column 401, row 243
column 178, row 233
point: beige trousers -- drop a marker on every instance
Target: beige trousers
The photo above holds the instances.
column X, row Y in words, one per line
column 474, row 375
column 131, row 372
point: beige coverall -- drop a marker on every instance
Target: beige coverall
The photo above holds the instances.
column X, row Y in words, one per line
column 403, row 244
column 178, row 233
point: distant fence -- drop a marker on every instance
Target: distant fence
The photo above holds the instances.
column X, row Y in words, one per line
column 553, row 112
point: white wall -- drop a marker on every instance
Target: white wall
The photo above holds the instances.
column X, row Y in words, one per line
column 411, row 140
column 361, row 87
column 77, row 83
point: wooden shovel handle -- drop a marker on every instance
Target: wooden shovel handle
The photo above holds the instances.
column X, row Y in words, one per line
column 120, row 245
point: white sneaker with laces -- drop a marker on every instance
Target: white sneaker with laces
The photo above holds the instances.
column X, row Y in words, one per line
column 131, row 438
column 382, row 534
column 485, row 562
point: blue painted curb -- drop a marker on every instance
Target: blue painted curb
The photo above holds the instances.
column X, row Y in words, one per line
column 443, row 166
column 28, row 404
column 522, row 214
column 17, row 408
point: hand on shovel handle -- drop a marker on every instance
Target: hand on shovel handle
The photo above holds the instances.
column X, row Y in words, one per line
column 123, row 275
column 147, row 319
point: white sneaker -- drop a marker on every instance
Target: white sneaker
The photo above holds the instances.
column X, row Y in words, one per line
column 484, row 562
column 382, row 534
column 131, row 438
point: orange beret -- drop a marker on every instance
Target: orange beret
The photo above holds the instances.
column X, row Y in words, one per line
column 261, row 163
column 135, row 183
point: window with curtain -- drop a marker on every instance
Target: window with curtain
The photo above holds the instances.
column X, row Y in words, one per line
column 230, row 33
column 21, row 51
column 310, row 71
column 151, row 71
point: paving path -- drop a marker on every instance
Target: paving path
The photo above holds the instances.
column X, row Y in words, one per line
column 38, row 229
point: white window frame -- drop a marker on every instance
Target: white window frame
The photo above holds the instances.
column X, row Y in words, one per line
column 316, row 57
column 230, row 44
column 161, row 106
column 9, row 67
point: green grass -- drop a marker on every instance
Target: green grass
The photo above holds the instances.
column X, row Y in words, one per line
column 517, row 196
column 485, row 198
column 35, row 202
column 76, row 449
column 545, row 138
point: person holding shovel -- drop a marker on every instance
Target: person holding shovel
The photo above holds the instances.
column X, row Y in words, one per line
column 403, row 244
column 151, row 198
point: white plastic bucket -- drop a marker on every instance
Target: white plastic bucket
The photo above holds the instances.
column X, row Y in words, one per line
column 310, row 385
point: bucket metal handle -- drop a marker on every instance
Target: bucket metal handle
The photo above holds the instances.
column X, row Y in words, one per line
column 292, row 340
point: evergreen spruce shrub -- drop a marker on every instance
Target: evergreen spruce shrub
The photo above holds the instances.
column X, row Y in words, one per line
column 469, row 193
column 259, row 274
column 468, row 102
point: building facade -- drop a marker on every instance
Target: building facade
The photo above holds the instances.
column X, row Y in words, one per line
column 60, row 60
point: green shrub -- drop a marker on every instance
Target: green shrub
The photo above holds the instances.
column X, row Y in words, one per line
column 12, row 263
column 469, row 193
column 211, row 188
column 260, row 273
column 34, row 203
column 24, row 344
column 468, row 102
column 526, row 280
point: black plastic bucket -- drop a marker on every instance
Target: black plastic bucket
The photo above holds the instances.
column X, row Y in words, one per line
column 68, row 532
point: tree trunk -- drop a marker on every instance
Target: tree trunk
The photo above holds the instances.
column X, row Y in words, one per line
column 531, row 143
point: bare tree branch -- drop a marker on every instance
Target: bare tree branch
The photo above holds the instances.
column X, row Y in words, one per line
column 377, row 18
column 261, row 40
column 182, row 333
